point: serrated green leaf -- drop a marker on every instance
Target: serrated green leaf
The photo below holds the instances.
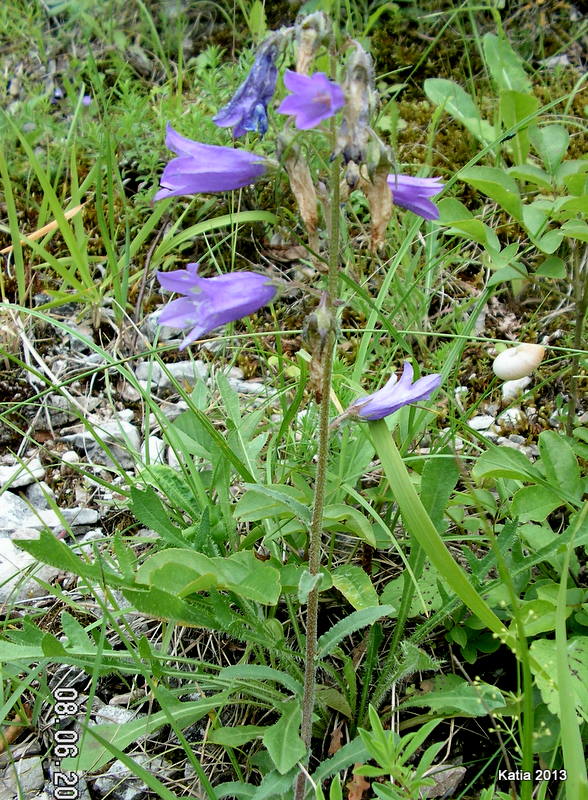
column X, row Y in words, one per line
column 353, row 622
column 453, row 695
column 259, row 672
column 544, row 652
column 150, row 511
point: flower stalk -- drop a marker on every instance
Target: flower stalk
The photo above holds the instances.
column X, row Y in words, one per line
column 315, row 533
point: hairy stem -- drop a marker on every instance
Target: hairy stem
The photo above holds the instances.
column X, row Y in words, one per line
column 315, row 534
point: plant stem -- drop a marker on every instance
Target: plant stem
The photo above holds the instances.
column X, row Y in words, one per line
column 315, row 533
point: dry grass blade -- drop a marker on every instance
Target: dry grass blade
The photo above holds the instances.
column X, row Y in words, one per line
column 51, row 226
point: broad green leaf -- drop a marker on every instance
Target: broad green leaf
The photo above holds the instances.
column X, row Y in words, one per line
column 457, row 219
column 353, row 622
column 560, row 464
column 457, row 102
column 504, row 462
column 536, row 616
column 545, row 653
column 506, row 67
column 531, row 174
column 306, row 585
column 355, row 585
column 291, row 574
column 236, row 737
column 182, row 571
column 575, row 229
column 498, row 186
column 261, row 502
column 535, row 503
column 356, row 522
column 453, row 695
column 549, row 242
column 257, row 21
column 514, row 107
column 331, row 697
column 282, row 740
column 514, row 272
column 552, row 267
column 551, row 143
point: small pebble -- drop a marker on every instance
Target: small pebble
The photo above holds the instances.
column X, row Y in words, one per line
column 512, row 389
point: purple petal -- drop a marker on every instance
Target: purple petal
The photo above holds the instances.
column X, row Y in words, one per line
column 206, row 168
column 413, row 194
column 314, row 98
column 211, row 302
column 393, row 395
column 247, row 109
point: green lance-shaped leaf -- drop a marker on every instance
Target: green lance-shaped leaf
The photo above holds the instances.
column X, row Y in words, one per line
column 420, row 526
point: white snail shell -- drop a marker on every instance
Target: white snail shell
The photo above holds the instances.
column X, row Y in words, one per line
column 518, row 362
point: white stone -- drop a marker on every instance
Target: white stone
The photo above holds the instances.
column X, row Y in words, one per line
column 512, row 389
column 39, row 494
column 482, row 422
column 120, row 783
column 189, row 371
column 247, row 387
column 22, row 474
column 512, row 418
column 24, row 779
column 154, row 450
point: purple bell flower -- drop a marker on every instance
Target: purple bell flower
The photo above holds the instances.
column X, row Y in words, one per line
column 313, row 99
column 206, row 167
column 208, row 303
column 394, row 395
column 413, row 194
column 247, row 109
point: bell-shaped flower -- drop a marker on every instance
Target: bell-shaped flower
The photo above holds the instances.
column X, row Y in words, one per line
column 206, row 167
column 313, row 99
column 208, row 303
column 414, row 193
column 247, row 109
column 394, row 395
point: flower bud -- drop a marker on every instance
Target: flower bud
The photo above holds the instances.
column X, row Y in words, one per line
column 360, row 97
column 310, row 33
